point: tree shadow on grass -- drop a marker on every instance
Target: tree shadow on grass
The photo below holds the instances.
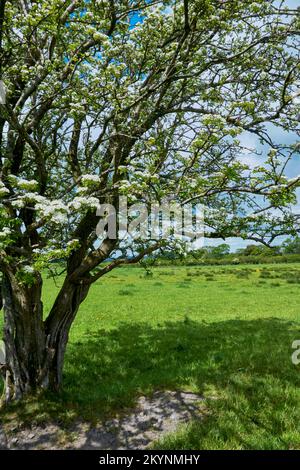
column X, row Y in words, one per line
column 246, row 365
column 112, row 368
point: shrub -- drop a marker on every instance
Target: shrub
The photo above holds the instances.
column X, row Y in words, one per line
column 125, row 292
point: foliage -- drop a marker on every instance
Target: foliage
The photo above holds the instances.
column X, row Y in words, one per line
column 292, row 245
column 101, row 105
column 259, row 250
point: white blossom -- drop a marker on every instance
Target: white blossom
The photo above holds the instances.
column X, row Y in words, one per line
column 5, row 232
column 84, row 203
column 28, row 269
column 3, row 190
column 93, row 178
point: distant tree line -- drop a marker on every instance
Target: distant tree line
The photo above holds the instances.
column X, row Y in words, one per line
column 287, row 252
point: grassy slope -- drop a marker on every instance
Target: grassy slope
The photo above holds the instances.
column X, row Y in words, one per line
column 225, row 332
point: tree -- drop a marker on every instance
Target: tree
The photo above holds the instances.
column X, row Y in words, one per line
column 259, row 250
column 292, row 246
column 219, row 251
column 147, row 99
column 212, row 251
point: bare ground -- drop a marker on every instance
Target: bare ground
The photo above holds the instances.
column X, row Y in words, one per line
column 150, row 420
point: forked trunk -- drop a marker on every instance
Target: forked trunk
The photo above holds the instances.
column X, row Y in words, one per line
column 34, row 350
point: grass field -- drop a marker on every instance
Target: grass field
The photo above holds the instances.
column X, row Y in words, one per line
column 224, row 332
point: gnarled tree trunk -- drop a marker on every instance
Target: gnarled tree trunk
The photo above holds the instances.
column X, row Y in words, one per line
column 34, row 349
column 58, row 325
column 24, row 337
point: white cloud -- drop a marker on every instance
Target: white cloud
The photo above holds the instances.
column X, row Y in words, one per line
column 251, row 144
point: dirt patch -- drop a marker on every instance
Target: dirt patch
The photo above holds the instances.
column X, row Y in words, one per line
column 151, row 419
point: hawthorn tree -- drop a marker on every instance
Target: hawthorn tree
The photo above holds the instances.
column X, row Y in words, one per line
column 148, row 99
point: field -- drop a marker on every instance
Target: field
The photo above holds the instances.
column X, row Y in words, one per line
column 224, row 332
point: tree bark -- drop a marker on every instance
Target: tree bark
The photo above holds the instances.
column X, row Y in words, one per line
column 35, row 350
column 58, row 324
column 24, row 337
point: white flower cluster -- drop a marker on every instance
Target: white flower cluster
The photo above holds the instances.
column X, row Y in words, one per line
column 55, row 209
column 21, row 183
column 253, row 216
column 89, row 181
column 193, row 183
column 28, row 269
column 5, row 232
column 127, row 187
column 72, row 243
column 139, row 182
column 79, row 203
column 98, row 36
column 24, row 199
column 51, row 250
column 3, row 190
column 92, row 178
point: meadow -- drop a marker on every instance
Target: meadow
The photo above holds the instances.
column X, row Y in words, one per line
column 224, row 332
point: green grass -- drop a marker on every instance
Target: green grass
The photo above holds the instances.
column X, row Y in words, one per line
column 229, row 339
